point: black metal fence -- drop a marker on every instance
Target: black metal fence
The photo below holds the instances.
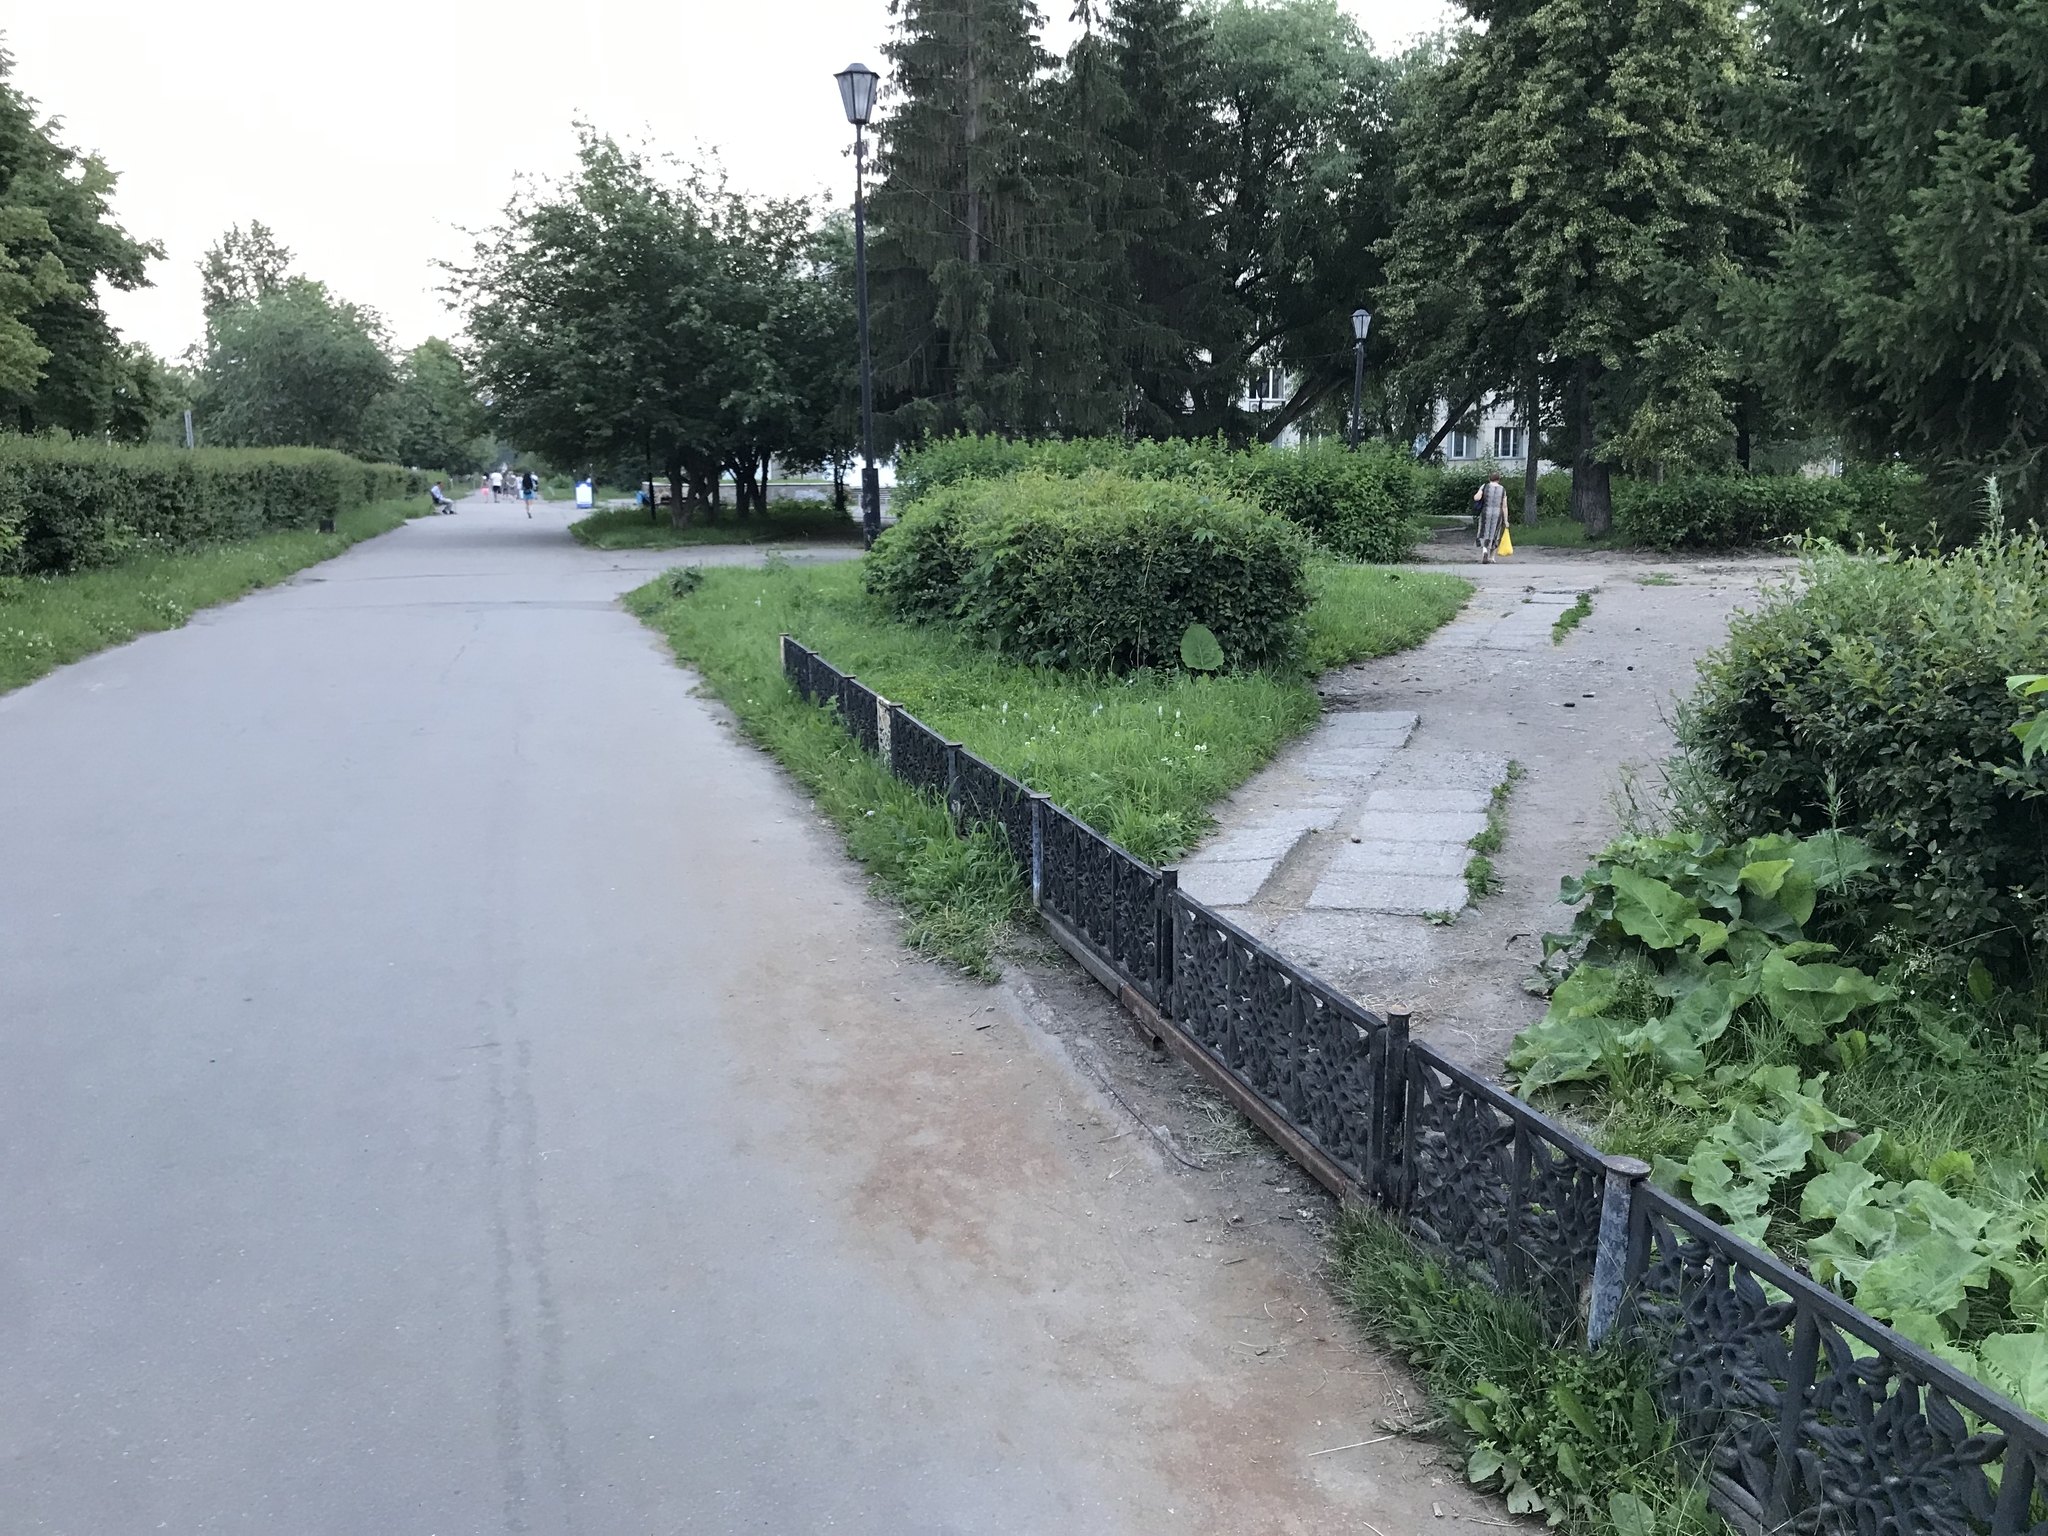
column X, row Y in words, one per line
column 1819, row 1419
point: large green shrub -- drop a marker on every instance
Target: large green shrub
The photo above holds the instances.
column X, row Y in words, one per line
column 1098, row 572
column 68, row 505
column 1360, row 505
column 1872, row 694
column 1732, row 511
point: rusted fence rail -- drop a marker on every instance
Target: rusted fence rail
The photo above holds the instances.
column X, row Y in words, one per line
column 1817, row 1417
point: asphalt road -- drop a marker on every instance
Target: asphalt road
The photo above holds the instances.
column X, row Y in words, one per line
column 449, row 1084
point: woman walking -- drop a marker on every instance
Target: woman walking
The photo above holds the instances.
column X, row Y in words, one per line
column 1491, row 500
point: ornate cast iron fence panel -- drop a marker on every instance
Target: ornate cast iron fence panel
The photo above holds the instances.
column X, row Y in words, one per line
column 861, row 711
column 1811, row 1416
column 985, row 796
column 1314, row 1055
column 1499, row 1186
column 1105, row 898
column 918, row 755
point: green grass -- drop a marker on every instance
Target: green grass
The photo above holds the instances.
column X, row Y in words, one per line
column 1140, row 758
column 1573, row 1434
column 1480, row 881
column 1569, row 620
column 785, row 522
column 1560, row 533
column 46, row 621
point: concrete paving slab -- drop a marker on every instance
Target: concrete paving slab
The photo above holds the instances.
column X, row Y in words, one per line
column 1429, row 798
column 1226, row 882
column 1365, row 891
column 1455, row 827
column 1398, row 859
column 1271, row 838
column 1349, row 764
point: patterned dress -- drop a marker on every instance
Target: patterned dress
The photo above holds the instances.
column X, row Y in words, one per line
column 1492, row 521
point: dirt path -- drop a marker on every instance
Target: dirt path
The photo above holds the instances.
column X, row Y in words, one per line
column 1337, row 850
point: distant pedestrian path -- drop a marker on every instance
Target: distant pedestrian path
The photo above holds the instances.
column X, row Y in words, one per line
column 1349, row 850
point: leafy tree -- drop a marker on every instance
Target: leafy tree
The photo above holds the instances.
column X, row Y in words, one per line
column 590, row 330
column 242, row 268
column 624, row 318
column 61, row 363
column 1303, row 197
column 296, row 367
column 1909, row 302
column 1574, row 205
column 432, row 417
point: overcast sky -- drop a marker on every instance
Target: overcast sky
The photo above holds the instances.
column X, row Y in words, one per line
column 370, row 135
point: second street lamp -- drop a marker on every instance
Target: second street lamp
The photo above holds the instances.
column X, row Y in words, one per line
column 1361, row 322
column 857, row 92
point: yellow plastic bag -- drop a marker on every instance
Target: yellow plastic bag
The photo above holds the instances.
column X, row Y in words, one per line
column 1507, row 545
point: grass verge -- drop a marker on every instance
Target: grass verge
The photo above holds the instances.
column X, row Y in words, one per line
column 1139, row 758
column 1569, row 620
column 785, row 522
column 1480, row 881
column 47, row 621
column 1560, row 1431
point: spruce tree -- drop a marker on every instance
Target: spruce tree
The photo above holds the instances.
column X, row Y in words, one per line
column 1910, row 300
column 967, row 300
column 1172, row 295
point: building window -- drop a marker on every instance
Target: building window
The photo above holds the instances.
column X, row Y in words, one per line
column 1464, row 445
column 1507, row 442
column 1267, row 386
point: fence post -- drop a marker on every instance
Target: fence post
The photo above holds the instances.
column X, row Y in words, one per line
column 953, row 783
column 1393, row 1157
column 1610, row 1259
column 884, row 738
column 1038, row 804
column 782, row 654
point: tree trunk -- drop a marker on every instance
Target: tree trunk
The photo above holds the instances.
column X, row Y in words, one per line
column 767, row 463
column 1450, row 421
column 678, row 506
column 973, row 133
column 1532, row 510
column 1742, row 430
column 1592, row 490
column 703, row 479
column 839, row 486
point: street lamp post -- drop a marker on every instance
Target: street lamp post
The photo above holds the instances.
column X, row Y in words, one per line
column 1361, row 322
column 857, row 93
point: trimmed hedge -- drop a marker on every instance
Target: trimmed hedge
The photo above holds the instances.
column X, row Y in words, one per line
column 1734, row 511
column 1360, row 505
column 68, row 505
column 1873, row 692
column 1101, row 572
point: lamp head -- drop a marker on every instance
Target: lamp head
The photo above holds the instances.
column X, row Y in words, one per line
column 857, row 92
column 1361, row 322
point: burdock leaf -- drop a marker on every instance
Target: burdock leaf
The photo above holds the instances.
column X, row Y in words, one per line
column 1199, row 649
